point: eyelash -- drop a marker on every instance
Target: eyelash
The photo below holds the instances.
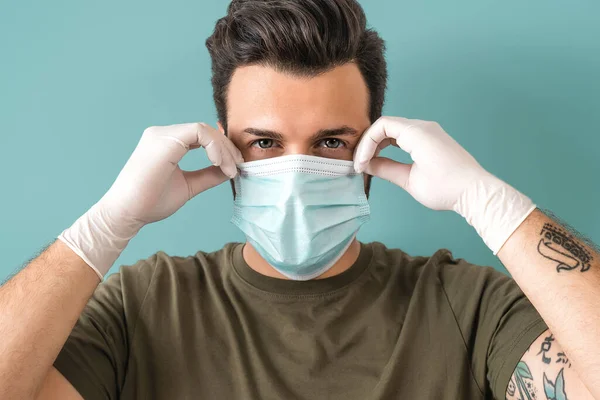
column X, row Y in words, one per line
column 342, row 145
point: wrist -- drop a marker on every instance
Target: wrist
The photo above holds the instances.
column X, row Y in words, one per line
column 99, row 238
column 494, row 208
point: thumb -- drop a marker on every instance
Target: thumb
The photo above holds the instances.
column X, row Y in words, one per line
column 390, row 170
column 204, row 179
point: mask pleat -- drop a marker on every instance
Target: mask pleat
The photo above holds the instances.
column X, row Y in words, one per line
column 300, row 214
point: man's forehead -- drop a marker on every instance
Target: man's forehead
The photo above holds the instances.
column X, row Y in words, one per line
column 257, row 78
column 261, row 97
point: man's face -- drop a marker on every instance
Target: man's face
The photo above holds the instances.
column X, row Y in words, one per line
column 271, row 114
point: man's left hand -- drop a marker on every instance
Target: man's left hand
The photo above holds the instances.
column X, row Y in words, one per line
column 443, row 176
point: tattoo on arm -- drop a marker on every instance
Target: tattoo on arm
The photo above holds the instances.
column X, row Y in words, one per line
column 555, row 390
column 559, row 246
column 545, row 348
column 568, row 250
column 521, row 384
column 562, row 358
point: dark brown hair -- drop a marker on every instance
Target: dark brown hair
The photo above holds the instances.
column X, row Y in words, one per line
column 303, row 37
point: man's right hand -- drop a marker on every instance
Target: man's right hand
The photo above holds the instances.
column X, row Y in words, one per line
column 150, row 187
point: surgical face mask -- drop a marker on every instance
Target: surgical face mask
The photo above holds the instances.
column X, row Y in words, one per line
column 300, row 213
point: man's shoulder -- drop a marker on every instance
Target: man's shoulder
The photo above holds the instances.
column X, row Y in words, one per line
column 440, row 266
column 397, row 258
column 163, row 268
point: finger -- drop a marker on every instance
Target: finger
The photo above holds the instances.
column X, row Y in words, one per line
column 235, row 152
column 384, row 128
column 369, row 144
column 218, row 152
column 384, row 143
column 181, row 138
column 227, row 164
column 204, row 179
column 214, row 153
column 390, row 170
column 206, row 134
column 188, row 135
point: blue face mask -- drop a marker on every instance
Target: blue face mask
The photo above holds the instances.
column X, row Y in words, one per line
column 300, row 213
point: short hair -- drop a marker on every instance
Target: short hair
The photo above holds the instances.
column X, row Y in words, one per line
column 302, row 37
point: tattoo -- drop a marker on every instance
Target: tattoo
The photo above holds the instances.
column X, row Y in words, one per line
column 562, row 358
column 558, row 245
column 522, row 382
column 511, row 387
column 555, row 390
column 574, row 232
column 522, row 385
column 546, row 346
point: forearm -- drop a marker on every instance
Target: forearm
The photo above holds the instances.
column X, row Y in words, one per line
column 560, row 274
column 38, row 309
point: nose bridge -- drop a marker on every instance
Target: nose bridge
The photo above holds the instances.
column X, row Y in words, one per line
column 297, row 146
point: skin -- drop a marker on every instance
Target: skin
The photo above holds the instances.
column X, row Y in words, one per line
column 568, row 303
column 38, row 312
column 39, row 308
column 262, row 101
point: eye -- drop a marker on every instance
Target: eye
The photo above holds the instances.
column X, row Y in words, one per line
column 332, row 143
column 263, row 143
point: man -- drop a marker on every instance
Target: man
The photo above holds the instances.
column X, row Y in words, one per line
column 303, row 310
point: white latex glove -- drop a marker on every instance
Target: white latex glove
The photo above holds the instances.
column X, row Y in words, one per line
column 150, row 187
column 443, row 176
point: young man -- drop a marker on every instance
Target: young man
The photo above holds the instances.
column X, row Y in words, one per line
column 302, row 310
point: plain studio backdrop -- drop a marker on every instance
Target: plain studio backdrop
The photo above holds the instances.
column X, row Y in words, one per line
column 516, row 83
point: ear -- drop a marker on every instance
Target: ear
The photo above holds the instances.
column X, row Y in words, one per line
column 221, row 129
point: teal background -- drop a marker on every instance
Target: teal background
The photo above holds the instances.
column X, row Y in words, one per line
column 517, row 83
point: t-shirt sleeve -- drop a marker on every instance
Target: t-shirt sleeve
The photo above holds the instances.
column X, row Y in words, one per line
column 94, row 357
column 497, row 321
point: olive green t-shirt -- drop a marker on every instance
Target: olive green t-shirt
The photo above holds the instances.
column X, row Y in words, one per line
column 392, row 326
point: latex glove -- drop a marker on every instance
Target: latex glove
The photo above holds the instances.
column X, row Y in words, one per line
column 443, row 176
column 150, row 188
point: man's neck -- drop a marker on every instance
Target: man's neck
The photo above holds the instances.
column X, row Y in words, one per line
column 257, row 263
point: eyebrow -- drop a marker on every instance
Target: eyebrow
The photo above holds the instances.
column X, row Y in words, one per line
column 321, row 134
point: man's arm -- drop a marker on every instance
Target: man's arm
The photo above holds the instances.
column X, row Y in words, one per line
column 39, row 307
column 56, row 386
column 545, row 372
column 560, row 274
